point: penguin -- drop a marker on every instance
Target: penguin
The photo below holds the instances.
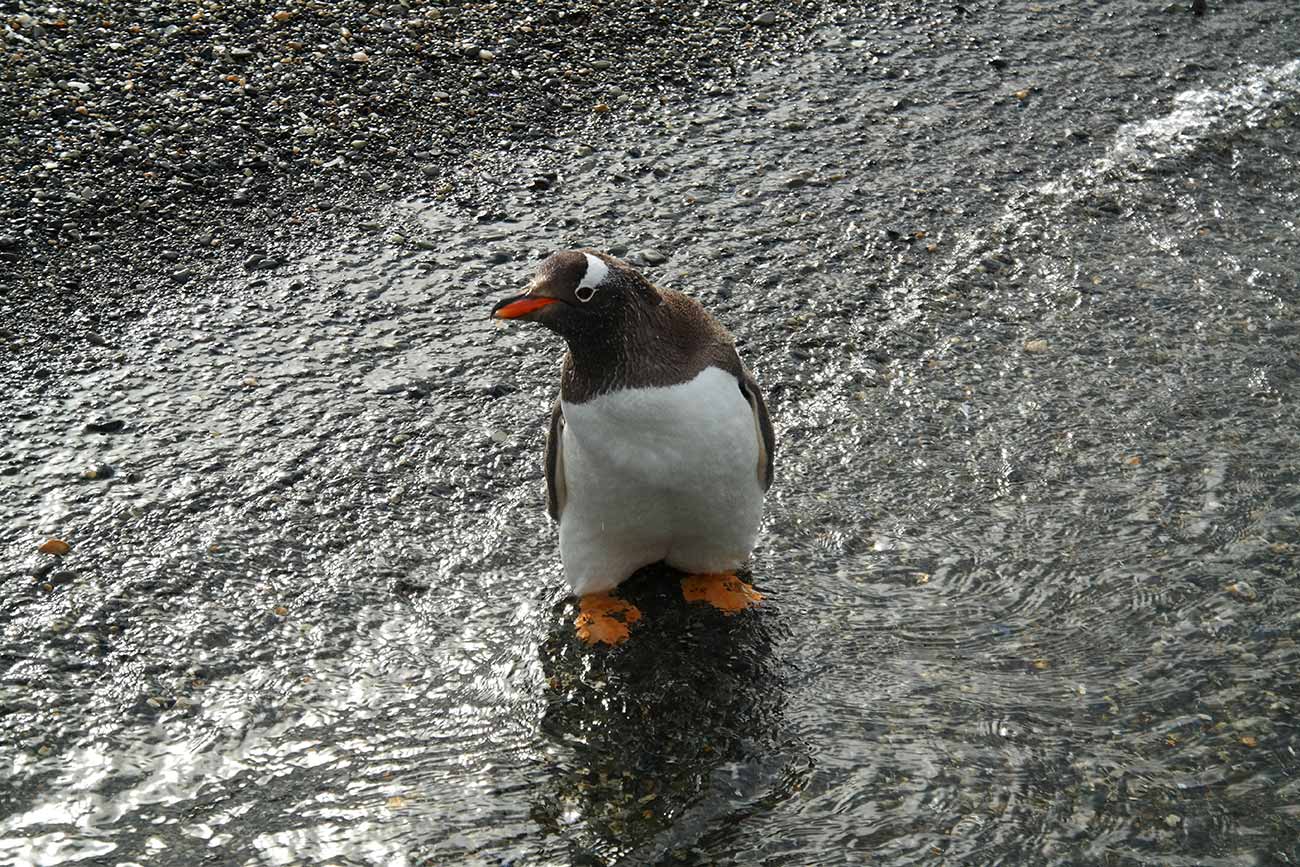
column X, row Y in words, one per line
column 660, row 447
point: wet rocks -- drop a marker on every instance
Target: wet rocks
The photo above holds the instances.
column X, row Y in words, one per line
column 104, row 426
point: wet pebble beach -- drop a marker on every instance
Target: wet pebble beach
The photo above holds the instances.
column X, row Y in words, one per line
column 277, row 584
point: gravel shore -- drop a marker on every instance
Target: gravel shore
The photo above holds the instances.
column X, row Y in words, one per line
column 150, row 148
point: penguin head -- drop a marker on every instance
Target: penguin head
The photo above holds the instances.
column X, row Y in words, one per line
column 577, row 293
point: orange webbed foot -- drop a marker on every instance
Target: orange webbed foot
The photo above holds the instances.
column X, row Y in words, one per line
column 723, row 590
column 605, row 619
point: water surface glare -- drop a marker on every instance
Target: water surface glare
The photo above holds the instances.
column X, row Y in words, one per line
column 1029, row 564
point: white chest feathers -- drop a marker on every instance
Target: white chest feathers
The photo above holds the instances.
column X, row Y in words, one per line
column 659, row 474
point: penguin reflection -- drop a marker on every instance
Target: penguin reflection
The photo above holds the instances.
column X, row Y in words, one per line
column 664, row 740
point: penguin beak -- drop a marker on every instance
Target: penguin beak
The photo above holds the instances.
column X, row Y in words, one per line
column 520, row 306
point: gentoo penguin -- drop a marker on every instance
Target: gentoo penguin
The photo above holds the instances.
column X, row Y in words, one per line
column 660, row 447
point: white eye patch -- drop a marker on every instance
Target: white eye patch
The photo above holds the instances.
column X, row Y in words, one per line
column 597, row 270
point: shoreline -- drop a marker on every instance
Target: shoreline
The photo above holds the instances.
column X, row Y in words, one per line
column 156, row 154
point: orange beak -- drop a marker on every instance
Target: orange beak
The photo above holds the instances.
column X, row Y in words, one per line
column 520, row 305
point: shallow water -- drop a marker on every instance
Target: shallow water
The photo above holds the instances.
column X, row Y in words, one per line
column 1029, row 336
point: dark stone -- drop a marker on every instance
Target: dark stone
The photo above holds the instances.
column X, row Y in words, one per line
column 651, row 256
column 105, row 427
column 101, row 471
column 43, row 568
column 499, row 389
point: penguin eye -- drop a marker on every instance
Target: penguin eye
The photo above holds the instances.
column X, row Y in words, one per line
column 590, row 290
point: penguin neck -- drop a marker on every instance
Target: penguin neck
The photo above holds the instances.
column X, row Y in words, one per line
column 622, row 353
column 646, row 347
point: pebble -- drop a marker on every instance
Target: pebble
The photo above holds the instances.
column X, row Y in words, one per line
column 63, row 576
column 260, row 262
column 55, row 547
column 1243, row 590
column 99, row 471
column 651, row 256
column 765, row 19
column 1036, row 347
column 105, row 426
column 42, row 569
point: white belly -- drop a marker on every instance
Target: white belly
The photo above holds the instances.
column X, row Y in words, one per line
column 659, row 474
